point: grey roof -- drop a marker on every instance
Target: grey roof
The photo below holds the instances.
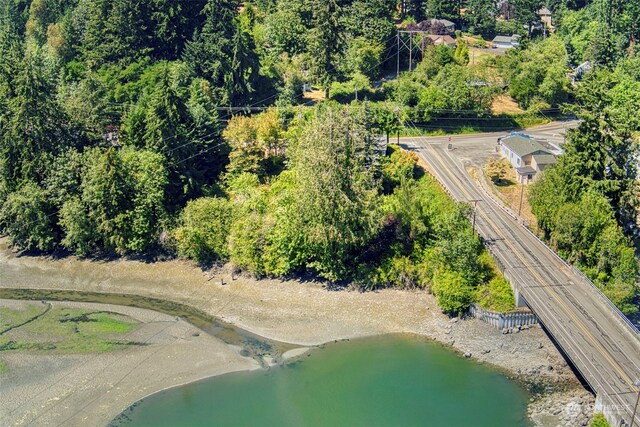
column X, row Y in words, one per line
column 525, row 170
column 444, row 22
column 582, row 68
column 545, row 159
column 505, row 39
column 523, row 146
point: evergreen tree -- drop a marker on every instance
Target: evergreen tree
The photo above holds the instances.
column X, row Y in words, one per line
column 35, row 127
column 325, row 42
column 116, row 31
column 332, row 212
column 526, row 12
column 224, row 54
column 481, row 17
column 442, row 9
column 173, row 23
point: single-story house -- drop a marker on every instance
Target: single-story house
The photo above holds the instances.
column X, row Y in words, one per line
column 449, row 26
column 527, row 156
column 442, row 40
column 506, row 42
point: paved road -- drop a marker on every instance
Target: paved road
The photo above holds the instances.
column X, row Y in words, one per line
column 596, row 338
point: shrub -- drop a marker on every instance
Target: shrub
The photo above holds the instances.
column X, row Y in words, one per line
column 495, row 295
column 452, row 292
column 204, row 228
column 26, row 217
column 599, row 420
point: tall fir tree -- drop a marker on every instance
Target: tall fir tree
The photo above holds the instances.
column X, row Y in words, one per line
column 223, row 54
column 325, row 42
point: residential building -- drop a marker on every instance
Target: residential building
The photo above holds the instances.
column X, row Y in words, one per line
column 442, row 40
column 448, row 26
column 506, row 42
column 527, row 156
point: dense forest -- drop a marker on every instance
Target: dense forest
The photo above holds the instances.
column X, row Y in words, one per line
column 182, row 128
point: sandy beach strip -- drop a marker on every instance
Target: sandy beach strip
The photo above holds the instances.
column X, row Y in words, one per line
column 306, row 314
column 91, row 389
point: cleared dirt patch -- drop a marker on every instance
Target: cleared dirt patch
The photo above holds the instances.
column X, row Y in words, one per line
column 504, row 104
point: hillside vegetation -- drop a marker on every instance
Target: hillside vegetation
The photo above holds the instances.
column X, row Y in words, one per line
column 180, row 128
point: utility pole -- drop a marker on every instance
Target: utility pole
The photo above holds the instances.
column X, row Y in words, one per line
column 521, row 195
column 398, row 66
column 475, row 209
column 410, row 50
column 635, row 408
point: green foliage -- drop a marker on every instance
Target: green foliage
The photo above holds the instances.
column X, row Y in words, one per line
column 203, row 230
column 285, row 30
column 480, row 16
column 601, row 31
column 583, row 228
column 426, row 241
column 26, row 215
column 358, row 88
column 507, row 28
column 453, row 294
column 495, row 295
column 182, row 126
column 325, row 232
column 257, row 144
column 461, row 54
column 120, row 203
column 537, row 73
column 325, row 41
column 223, row 53
column 443, row 86
column 247, row 232
column 33, row 127
column 124, row 31
column 363, row 57
column 599, row 420
column 526, row 12
column 455, row 90
column 372, row 20
column 441, row 9
column 398, row 167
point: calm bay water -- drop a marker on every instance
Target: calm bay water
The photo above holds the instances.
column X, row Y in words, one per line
column 383, row 381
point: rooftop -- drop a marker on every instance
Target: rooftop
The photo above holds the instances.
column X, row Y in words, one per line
column 525, row 170
column 545, row 159
column 438, row 39
column 505, row 39
column 444, row 22
column 523, row 146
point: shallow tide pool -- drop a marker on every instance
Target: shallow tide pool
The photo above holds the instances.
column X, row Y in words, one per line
column 382, row 381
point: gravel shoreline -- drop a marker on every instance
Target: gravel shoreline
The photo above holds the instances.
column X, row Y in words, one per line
column 306, row 314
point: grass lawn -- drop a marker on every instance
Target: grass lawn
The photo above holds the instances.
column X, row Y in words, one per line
column 66, row 330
